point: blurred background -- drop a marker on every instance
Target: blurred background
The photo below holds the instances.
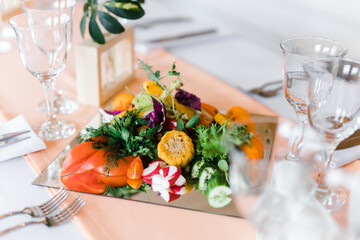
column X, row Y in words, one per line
column 267, row 22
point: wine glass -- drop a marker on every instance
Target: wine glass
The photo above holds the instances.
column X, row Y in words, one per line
column 42, row 42
column 298, row 51
column 334, row 113
column 62, row 105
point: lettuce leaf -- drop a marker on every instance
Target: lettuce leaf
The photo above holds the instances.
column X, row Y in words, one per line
column 213, row 141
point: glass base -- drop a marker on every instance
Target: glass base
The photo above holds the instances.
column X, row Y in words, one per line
column 332, row 198
column 284, row 156
column 62, row 105
column 55, row 130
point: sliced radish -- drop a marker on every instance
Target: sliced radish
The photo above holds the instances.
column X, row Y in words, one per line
column 171, row 173
column 153, row 168
column 168, row 196
column 167, row 180
column 180, row 181
column 147, row 180
column 180, row 190
column 161, row 181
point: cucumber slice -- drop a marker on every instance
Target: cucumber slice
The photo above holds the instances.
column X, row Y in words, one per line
column 223, row 165
column 205, row 174
column 196, row 169
column 217, row 191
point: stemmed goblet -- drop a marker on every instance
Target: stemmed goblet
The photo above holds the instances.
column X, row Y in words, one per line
column 42, row 42
column 62, row 105
column 298, row 51
column 334, row 113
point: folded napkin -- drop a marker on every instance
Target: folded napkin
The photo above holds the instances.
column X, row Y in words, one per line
column 345, row 156
column 32, row 144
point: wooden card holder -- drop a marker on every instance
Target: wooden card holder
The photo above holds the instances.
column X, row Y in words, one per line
column 103, row 70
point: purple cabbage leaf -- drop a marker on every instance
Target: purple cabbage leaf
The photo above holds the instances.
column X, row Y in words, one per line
column 158, row 115
column 188, row 99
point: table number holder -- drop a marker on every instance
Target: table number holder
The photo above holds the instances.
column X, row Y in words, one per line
column 103, row 70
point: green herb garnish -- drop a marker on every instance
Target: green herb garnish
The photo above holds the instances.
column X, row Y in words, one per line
column 125, row 191
column 124, row 138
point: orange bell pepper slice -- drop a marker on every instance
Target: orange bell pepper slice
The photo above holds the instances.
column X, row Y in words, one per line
column 134, row 183
column 77, row 157
column 122, row 101
column 211, row 110
column 240, row 115
column 114, row 181
column 120, row 170
column 135, row 169
column 84, row 182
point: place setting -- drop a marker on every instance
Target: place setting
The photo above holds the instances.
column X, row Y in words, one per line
column 43, row 213
column 155, row 136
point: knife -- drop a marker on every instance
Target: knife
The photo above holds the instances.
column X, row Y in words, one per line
column 6, row 136
column 186, row 35
column 153, row 22
column 12, row 140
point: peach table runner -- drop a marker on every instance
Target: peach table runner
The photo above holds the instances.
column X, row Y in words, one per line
column 110, row 218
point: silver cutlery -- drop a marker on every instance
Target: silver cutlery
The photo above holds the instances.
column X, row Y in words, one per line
column 9, row 138
column 42, row 209
column 12, row 140
column 153, row 22
column 182, row 36
column 270, row 93
column 267, row 93
column 6, row 136
column 55, row 220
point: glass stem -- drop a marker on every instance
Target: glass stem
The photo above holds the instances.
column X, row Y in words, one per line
column 295, row 149
column 329, row 151
column 329, row 148
column 48, row 87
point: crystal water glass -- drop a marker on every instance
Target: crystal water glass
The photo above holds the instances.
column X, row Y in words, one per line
column 298, row 51
column 334, row 113
column 42, row 42
column 62, row 105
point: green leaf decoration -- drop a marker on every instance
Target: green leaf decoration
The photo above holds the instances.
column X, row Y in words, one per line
column 110, row 23
column 95, row 31
column 125, row 9
column 83, row 24
column 173, row 72
column 86, row 7
column 180, row 125
column 193, row 121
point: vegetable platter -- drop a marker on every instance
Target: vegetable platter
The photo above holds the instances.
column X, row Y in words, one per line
column 163, row 142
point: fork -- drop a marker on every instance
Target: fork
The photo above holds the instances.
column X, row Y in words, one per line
column 42, row 209
column 58, row 219
column 261, row 90
column 270, row 93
